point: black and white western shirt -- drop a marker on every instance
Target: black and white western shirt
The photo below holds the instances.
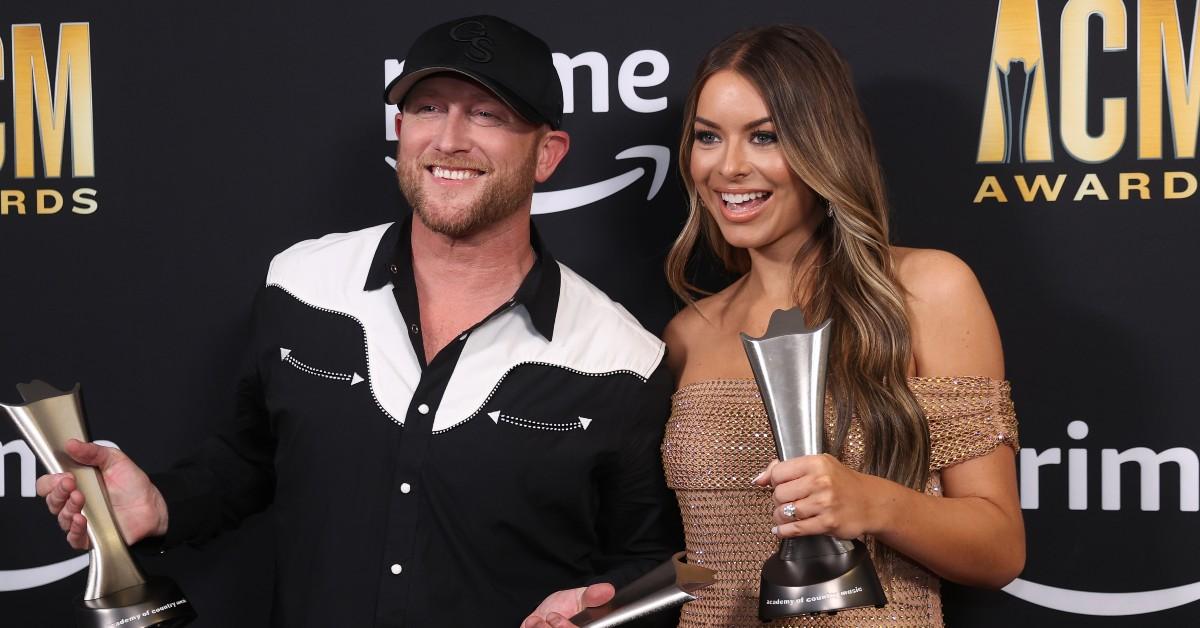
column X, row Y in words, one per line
column 521, row 460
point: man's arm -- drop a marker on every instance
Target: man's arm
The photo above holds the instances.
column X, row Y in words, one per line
column 639, row 525
column 232, row 475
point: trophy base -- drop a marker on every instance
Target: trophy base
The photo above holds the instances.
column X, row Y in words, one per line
column 824, row 583
column 157, row 602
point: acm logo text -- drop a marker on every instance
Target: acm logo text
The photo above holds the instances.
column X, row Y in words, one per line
column 44, row 102
column 1016, row 126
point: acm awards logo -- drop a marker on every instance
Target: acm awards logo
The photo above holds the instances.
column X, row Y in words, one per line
column 46, row 105
column 1017, row 128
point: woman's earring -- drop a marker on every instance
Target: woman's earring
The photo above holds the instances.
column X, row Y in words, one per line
column 829, row 208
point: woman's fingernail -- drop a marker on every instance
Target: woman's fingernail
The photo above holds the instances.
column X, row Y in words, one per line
column 775, row 530
column 759, row 478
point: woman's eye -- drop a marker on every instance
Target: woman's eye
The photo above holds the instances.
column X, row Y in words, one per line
column 762, row 137
column 706, row 137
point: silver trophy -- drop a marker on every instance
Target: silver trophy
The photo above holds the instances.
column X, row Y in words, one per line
column 809, row 574
column 118, row 595
column 670, row 584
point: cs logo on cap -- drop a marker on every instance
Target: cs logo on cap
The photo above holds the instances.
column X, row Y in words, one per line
column 473, row 32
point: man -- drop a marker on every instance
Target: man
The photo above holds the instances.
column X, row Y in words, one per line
column 449, row 424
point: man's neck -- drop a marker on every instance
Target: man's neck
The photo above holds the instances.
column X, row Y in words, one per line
column 493, row 260
column 460, row 281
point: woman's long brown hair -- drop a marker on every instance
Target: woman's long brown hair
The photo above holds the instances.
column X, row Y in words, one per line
column 848, row 271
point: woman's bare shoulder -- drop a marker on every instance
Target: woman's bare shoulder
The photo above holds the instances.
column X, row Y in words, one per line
column 931, row 274
column 953, row 330
column 694, row 327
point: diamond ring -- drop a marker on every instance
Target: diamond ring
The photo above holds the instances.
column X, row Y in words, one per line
column 789, row 510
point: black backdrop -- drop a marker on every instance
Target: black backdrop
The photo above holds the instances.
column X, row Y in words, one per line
column 226, row 131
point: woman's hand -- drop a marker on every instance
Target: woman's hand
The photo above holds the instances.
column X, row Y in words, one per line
column 827, row 497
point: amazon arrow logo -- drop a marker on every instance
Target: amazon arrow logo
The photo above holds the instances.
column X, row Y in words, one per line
column 563, row 200
column 18, row 579
column 1103, row 604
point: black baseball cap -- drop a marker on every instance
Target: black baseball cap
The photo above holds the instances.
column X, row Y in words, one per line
column 505, row 58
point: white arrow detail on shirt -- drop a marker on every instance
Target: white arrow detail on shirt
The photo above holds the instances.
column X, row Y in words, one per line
column 286, row 356
column 579, row 423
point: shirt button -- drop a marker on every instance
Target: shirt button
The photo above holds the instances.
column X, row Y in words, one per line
column 423, row 409
column 393, row 269
column 463, row 337
column 405, row 488
column 414, row 329
column 396, row 569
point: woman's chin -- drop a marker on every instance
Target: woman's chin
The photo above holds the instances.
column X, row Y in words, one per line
column 743, row 236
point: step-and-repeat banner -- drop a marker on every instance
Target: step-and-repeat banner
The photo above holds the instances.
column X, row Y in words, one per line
column 154, row 156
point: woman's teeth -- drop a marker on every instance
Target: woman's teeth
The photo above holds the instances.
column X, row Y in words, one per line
column 735, row 200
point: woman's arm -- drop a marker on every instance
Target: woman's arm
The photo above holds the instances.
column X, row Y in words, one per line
column 973, row 535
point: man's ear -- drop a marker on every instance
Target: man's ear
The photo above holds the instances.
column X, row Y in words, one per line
column 552, row 148
column 399, row 119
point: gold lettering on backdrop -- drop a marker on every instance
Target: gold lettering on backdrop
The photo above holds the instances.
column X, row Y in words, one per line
column 85, row 201
column 72, row 92
column 1041, row 185
column 1160, row 58
column 1170, row 179
column 1016, row 122
column 54, row 196
column 12, row 200
column 1073, row 80
column 1131, row 181
column 1091, row 186
column 990, row 188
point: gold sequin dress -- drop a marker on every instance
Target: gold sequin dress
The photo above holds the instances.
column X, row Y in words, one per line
column 718, row 438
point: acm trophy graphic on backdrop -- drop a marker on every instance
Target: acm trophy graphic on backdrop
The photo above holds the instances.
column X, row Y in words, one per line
column 118, row 595
column 808, row 574
column 1016, row 84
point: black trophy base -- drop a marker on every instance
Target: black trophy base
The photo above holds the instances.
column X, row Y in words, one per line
column 819, row 574
column 158, row 602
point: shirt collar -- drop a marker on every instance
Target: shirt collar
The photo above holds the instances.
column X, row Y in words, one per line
column 392, row 263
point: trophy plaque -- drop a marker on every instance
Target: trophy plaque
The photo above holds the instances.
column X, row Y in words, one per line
column 670, row 584
column 118, row 595
column 808, row 574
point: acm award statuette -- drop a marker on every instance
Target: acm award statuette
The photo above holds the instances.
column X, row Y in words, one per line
column 670, row 584
column 118, row 595
column 809, row 574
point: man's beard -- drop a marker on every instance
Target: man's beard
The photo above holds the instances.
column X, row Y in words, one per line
column 502, row 194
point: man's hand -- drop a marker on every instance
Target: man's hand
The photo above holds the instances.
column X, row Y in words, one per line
column 556, row 610
column 136, row 502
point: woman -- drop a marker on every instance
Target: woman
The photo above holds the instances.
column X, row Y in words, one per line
column 785, row 188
